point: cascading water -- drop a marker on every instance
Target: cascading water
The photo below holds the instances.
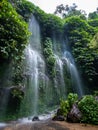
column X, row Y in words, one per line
column 32, row 73
column 75, row 78
column 34, row 66
column 59, row 79
column 4, row 97
column 42, row 92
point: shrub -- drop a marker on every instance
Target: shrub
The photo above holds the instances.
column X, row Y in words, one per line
column 66, row 105
column 72, row 98
column 89, row 108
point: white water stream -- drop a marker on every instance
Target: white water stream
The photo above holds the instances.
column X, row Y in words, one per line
column 75, row 78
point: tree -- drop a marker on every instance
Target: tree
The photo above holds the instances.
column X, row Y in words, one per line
column 93, row 15
column 66, row 11
column 93, row 19
column 93, row 22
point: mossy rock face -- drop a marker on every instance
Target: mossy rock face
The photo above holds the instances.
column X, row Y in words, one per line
column 10, row 100
column 15, row 97
column 17, row 93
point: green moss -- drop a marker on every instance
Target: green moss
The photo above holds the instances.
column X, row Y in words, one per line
column 49, row 56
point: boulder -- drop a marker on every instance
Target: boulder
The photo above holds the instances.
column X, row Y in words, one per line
column 35, row 118
column 58, row 118
column 74, row 115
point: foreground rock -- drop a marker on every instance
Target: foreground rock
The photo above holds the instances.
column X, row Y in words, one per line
column 58, row 116
column 74, row 115
column 35, row 118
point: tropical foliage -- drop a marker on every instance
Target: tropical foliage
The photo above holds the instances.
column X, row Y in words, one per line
column 66, row 105
column 78, row 35
column 13, row 32
column 89, row 108
column 23, row 7
column 88, row 105
column 49, row 56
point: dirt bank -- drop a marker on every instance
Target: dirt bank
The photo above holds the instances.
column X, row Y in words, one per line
column 48, row 125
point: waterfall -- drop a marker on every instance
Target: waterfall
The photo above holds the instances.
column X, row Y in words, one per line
column 4, row 97
column 33, row 74
column 34, row 67
column 42, row 92
column 34, row 40
column 75, row 78
column 59, row 79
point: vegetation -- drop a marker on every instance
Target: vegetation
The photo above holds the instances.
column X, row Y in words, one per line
column 14, row 36
column 49, row 56
column 49, row 23
column 88, row 105
column 66, row 105
column 23, row 7
column 14, row 33
column 93, row 15
column 66, row 11
column 79, row 33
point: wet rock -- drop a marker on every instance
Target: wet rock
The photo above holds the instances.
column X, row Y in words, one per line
column 59, row 112
column 58, row 118
column 74, row 115
column 35, row 118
